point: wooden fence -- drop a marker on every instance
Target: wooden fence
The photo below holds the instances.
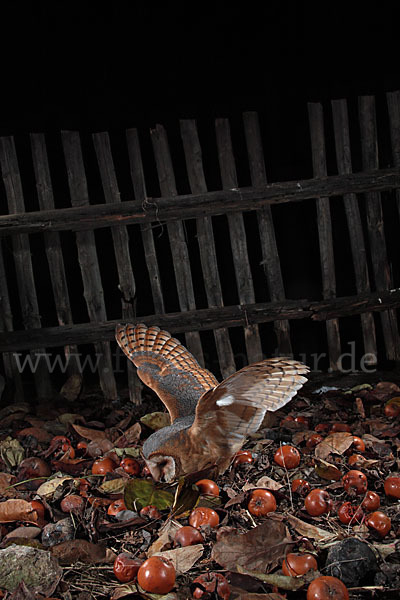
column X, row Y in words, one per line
column 192, row 248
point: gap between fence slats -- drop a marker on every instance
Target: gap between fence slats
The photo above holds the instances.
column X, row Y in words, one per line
column 354, row 223
column 176, row 233
column 23, row 260
column 271, row 262
column 205, row 237
column 139, row 188
column 380, row 264
column 237, row 233
column 87, row 257
column 393, row 101
column 127, row 287
column 324, row 223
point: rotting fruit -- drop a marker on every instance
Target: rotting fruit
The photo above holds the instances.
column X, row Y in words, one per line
column 201, row 516
column 297, row 563
column 130, row 466
column 392, row 487
column 287, row 456
column 379, row 522
column 213, row 583
column 188, row 536
column 156, row 575
column 300, row 486
column 243, row 457
column 101, row 466
column 261, row 503
column 318, row 502
column 207, row 486
column 126, row 567
column 116, row 507
column 150, row 512
column 371, row 501
column 349, row 514
column 355, row 482
column 327, row 588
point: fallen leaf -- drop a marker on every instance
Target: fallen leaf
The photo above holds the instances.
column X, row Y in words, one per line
column 282, row 581
column 23, row 532
column 327, row 470
column 37, row 568
column 166, row 536
column 130, row 436
column 47, row 489
column 89, row 434
column 239, row 594
column 113, row 486
column 310, row 531
column 186, row 496
column 184, row 558
column 142, row 492
column 17, row 510
column 6, row 480
column 263, row 482
column 260, row 549
column 40, row 434
column 156, row 420
column 72, row 551
column 99, row 447
column 336, row 443
column 11, row 452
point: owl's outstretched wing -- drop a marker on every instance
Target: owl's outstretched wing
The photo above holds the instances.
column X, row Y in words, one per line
column 236, row 407
column 166, row 367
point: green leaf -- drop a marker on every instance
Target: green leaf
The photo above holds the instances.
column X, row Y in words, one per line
column 156, row 420
column 142, row 492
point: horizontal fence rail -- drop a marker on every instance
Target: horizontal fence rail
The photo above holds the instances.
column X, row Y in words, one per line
column 171, row 208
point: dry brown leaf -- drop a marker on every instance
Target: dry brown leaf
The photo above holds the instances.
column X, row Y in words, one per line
column 310, row 531
column 183, row 558
column 260, row 549
column 71, row 551
column 239, row 594
column 99, row 447
column 130, row 436
column 37, row 432
column 6, row 479
column 336, row 443
column 72, row 387
column 263, row 482
column 17, row 510
column 166, row 536
column 89, row 434
column 327, row 471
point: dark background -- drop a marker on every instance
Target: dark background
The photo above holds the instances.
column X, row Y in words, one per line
column 83, row 66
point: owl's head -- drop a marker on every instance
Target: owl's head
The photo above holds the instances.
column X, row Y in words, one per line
column 162, row 468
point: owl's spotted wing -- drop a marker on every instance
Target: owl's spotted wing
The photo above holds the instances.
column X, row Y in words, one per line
column 236, row 407
column 166, row 367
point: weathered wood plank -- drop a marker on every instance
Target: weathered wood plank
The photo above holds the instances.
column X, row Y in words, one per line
column 354, row 223
column 205, row 237
column 237, row 233
column 22, row 259
column 6, row 324
column 380, row 264
column 393, row 101
column 87, row 256
column 176, row 233
column 208, row 318
column 120, row 237
column 198, row 205
column 52, row 243
column 271, row 262
column 139, row 187
column 324, row 224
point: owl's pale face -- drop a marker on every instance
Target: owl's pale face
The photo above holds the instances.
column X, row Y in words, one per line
column 162, row 468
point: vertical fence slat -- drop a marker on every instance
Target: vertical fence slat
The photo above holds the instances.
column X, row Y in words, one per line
column 271, row 262
column 52, row 243
column 324, row 229
column 393, row 101
column 121, row 247
column 237, row 232
column 354, row 223
column 87, row 256
column 139, row 187
column 23, row 261
column 205, row 236
column 6, row 324
column 176, row 232
column 369, row 148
